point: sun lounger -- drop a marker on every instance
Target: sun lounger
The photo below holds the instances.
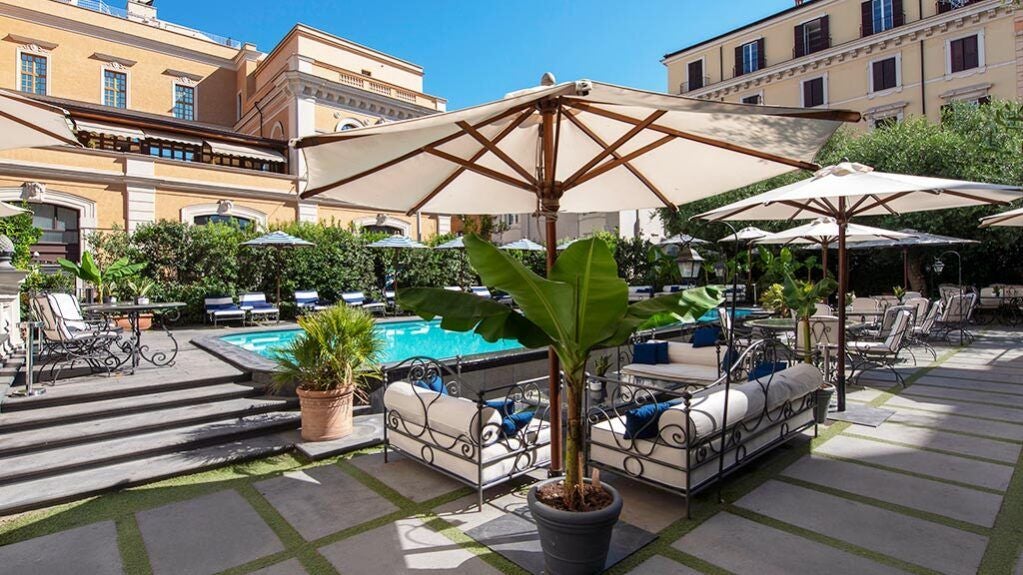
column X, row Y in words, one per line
column 257, row 307
column 223, row 308
column 358, row 299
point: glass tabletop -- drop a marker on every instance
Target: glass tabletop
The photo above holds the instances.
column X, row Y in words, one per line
column 124, row 307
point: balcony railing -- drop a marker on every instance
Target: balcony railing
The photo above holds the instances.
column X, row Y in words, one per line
column 694, row 85
column 104, row 8
column 949, row 5
column 365, row 83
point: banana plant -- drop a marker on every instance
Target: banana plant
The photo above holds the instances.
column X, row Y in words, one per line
column 582, row 306
column 102, row 279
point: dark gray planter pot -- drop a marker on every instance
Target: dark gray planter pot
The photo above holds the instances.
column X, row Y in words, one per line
column 574, row 543
column 824, row 395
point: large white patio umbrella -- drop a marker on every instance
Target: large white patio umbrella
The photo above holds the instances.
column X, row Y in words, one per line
column 825, row 231
column 915, row 239
column 26, row 123
column 1011, row 218
column 524, row 245
column 847, row 190
column 747, row 236
column 572, row 147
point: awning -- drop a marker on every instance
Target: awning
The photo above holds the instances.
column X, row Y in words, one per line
column 264, row 154
column 169, row 137
column 109, row 129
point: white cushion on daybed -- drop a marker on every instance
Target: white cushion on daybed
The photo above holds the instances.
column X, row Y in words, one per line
column 453, row 416
column 688, row 363
column 746, row 403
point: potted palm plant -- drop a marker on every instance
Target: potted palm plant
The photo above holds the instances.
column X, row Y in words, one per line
column 332, row 363
column 802, row 298
column 582, row 306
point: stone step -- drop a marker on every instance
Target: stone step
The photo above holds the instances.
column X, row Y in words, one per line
column 69, row 392
column 25, row 467
column 38, row 439
column 23, row 496
column 63, row 414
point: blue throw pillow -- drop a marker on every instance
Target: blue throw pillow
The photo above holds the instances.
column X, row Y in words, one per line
column 728, row 358
column 641, row 423
column 662, row 352
column 647, row 353
column 513, row 423
column 435, row 384
column 505, row 407
column 766, row 368
column 705, row 337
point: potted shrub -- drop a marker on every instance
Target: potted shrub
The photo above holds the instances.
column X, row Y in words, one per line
column 582, row 305
column 104, row 280
column 332, row 363
column 136, row 290
column 802, row 297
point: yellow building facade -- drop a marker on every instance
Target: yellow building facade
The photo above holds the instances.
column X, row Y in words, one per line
column 888, row 59
column 183, row 125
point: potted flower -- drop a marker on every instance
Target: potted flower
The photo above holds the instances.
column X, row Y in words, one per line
column 802, row 297
column 582, row 305
column 332, row 363
column 136, row 290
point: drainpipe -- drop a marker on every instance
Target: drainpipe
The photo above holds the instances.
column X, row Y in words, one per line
column 260, row 111
column 419, row 226
column 923, row 77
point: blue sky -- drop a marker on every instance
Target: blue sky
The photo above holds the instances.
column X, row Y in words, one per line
column 478, row 51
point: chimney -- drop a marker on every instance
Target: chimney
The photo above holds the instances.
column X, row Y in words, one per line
column 141, row 10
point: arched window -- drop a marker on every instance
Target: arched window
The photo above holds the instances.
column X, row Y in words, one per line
column 61, row 232
column 347, row 124
column 223, row 212
column 243, row 223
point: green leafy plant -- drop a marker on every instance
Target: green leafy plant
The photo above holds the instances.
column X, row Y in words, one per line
column 802, row 298
column 104, row 280
column 582, row 306
column 773, row 300
column 137, row 287
column 899, row 291
column 338, row 349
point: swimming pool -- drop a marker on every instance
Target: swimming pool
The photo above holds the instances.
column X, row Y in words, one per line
column 405, row 339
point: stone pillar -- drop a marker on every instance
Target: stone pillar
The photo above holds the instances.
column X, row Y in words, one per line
column 308, row 212
column 140, row 195
column 10, row 298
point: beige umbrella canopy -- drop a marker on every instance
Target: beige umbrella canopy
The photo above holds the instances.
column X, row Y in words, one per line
column 1012, row 218
column 848, row 189
column 573, row 147
column 824, row 232
column 26, row 123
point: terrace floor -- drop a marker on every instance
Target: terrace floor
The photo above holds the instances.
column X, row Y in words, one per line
column 937, row 488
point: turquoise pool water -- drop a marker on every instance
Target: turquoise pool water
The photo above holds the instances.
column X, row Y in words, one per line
column 405, row 339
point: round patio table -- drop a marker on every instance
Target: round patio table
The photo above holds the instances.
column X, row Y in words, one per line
column 773, row 324
column 135, row 350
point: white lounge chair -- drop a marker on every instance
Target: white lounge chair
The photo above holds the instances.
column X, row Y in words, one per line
column 257, row 307
column 640, row 293
column 223, row 308
column 481, row 291
column 358, row 299
column 309, row 300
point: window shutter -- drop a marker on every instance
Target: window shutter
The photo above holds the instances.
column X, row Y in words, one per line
column 739, row 71
column 970, row 53
column 877, row 69
column 825, row 41
column 867, row 18
column 807, row 94
column 799, row 47
column 761, row 56
column 898, row 16
column 956, row 57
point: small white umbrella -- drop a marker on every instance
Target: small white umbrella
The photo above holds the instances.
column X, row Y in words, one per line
column 825, row 231
column 746, row 236
column 683, row 240
column 26, row 123
column 278, row 240
column 847, row 190
column 1012, row 218
column 455, row 244
column 7, row 210
column 396, row 243
column 525, row 245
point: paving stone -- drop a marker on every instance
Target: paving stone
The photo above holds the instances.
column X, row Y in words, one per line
column 323, row 500
column 646, row 507
column 939, row 465
column 955, row 423
column 865, row 395
column 289, row 567
column 508, row 497
column 405, row 546
column 409, row 478
column 992, row 386
column 924, row 543
column 962, row 503
column 953, row 407
column 88, row 549
column 661, row 565
column 205, row 535
column 1019, row 565
column 743, row 546
column 937, row 439
column 967, row 395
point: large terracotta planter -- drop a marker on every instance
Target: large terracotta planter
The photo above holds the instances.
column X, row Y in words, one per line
column 326, row 415
column 145, row 322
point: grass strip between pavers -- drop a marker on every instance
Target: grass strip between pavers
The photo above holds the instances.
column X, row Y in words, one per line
column 1006, row 542
column 134, row 558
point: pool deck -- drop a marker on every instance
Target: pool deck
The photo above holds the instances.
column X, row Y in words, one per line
column 937, row 488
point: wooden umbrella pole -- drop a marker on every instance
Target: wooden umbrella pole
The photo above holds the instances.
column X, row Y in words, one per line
column 549, row 205
column 905, row 269
column 824, row 259
column 842, row 288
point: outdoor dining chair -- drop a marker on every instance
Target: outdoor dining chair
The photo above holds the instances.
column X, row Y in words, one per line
column 881, row 355
column 920, row 335
column 68, row 339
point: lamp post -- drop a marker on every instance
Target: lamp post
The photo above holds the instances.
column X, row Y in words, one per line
column 938, row 266
column 689, row 264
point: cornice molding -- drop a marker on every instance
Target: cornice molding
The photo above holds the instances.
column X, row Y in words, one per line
column 132, row 40
column 339, row 95
column 911, row 32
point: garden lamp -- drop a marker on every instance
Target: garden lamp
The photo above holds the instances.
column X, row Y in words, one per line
column 689, row 263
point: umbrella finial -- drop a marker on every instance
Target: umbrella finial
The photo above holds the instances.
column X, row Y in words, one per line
column 547, row 79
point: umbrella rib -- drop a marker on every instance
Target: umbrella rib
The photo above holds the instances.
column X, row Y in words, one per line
column 489, row 146
column 802, row 207
column 460, row 170
column 608, row 166
column 481, row 170
column 632, row 169
column 976, row 198
column 586, row 107
column 608, row 150
column 38, row 128
column 319, row 190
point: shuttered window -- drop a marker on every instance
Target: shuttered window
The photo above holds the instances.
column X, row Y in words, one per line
column 813, row 92
column 749, row 57
column 812, row 36
column 695, row 79
column 884, row 74
column 964, row 54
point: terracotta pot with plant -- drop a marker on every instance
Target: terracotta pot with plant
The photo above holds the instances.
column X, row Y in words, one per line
column 581, row 306
column 332, row 363
column 802, row 298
